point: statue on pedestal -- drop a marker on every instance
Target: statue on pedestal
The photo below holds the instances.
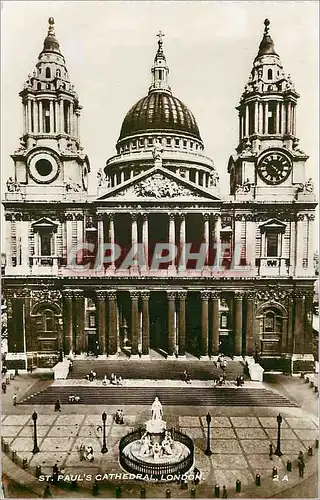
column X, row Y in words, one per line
column 156, row 410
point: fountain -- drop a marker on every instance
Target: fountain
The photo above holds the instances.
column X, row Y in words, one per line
column 156, row 452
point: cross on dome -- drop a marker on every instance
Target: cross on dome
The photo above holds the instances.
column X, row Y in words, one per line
column 160, row 35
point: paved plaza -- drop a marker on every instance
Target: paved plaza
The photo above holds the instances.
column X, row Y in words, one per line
column 240, row 439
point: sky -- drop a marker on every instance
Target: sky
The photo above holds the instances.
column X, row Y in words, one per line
column 209, row 46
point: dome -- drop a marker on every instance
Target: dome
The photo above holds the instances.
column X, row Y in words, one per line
column 159, row 111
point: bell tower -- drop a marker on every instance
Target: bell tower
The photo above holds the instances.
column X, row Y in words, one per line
column 50, row 161
column 269, row 164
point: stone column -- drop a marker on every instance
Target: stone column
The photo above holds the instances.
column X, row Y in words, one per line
column 172, row 237
column 24, row 228
column 102, row 316
column 293, row 118
column 205, row 294
column 134, row 238
column 29, row 116
column 215, row 296
column 256, row 117
column 112, row 340
column 35, row 117
column 251, row 241
column 145, row 295
column 61, row 118
column 145, row 239
column 247, row 121
column 134, row 294
column 308, row 347
column 311, row 218
column 51, row 117
column 283, row 118
column 260, row 118
column 70, row 256
column 68, row 322
column 240, row 127
column 249, row 304
column 182, row 322
column 8, row 234
column 289, row 117
column 266, row 112
column 197, row 177
column 101, row 240
column 290, row 325
column 206, row 238
column 278, row 118
column 217, row 240
column 182, row 260
column 238, row 323
column 238, row 243
column 301, row 242
column 171, row 325
column 112, row 266
column 298, row 341
column 79, row 317
column 40, row 117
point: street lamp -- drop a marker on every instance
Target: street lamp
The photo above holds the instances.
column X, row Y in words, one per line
column 278, row 451
column 208, row 450
column 104, row 448
column 35, row 442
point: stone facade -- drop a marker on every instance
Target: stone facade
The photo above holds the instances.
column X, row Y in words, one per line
column 251, row 292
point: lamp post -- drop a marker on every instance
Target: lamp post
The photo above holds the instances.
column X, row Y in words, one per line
column 278, row 451
column 35, row 442
column 104, row 448
column 208, row 450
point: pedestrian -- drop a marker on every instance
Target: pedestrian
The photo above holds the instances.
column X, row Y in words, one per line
column 47, row 492
column 270, row 451
column 4, row 387
column 57, row 406
column 301, row 456
column 55, row 473
column 301, row 466
column 16, row 372
column 196, row 476
column 120, row 380
column 14, row 399
column 224, row 492
column 81, row 452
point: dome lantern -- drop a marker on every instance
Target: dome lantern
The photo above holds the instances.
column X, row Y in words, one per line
column 159, row 70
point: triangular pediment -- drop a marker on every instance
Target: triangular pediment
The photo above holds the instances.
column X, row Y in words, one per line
column 273, row 224
column 158, row 184
column 44, row 223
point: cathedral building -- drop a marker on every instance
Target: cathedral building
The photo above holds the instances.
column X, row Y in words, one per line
column 158, row 260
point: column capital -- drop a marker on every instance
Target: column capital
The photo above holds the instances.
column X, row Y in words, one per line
column 145, row 294
column 171, row 295
column 311, row 216
column 205, row 294
column 182, row 294
column 134, row 216
column 110, row 215
column 144, row 215
column 206, row 216
column 182, row 215
column 300, row 217
column 251, row 295
column 102, row 294
column 172, row 215
column 67, row 294
column 78, row 294
column 215, row 295
column 22, row 293
column 134, row 294
column 100, row 217
column 112, row 294
column 238, row 295
column 217, row 216
column 69, row 216
column 79, row 216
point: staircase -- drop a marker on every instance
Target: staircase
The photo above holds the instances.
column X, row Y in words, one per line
column 160, row 369
column 196, row 396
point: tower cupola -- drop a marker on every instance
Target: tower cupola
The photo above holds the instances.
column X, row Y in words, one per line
column 160, row 70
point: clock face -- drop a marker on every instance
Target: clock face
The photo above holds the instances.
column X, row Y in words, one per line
column 43, row 167
column 274, row 168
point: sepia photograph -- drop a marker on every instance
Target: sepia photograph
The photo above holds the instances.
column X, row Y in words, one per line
column 159, row 249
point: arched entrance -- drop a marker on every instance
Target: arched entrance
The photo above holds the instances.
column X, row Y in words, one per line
column 271, row 320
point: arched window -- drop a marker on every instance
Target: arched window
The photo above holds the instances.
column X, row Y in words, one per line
column 47, row 320
column 38, row 86
column 48, row 73
column 269, row 74
column 58, row 73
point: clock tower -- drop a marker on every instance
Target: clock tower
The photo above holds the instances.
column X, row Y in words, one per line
column 50, row 161
column 269, row 164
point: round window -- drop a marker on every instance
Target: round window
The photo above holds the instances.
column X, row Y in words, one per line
column 43, row 167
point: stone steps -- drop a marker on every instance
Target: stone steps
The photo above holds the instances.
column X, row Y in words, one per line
column 222, row 396
column 154, row 369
